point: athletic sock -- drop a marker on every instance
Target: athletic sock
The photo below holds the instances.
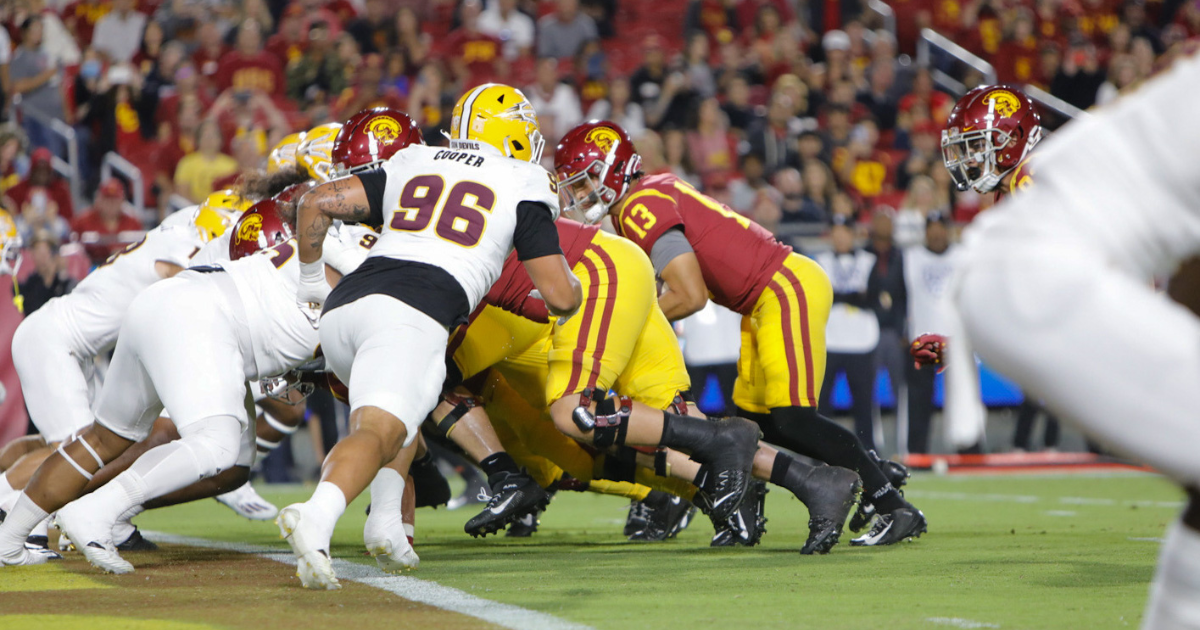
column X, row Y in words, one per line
column 1175, row 593
column 124, row 528
column 387, row 492
column 809, row 433
column 497, row 463
column 329, row 501
column 41, row 529
column 159, row 471
column 21, row 520
column 5, row 487
column 781, row 466
column 685, row 433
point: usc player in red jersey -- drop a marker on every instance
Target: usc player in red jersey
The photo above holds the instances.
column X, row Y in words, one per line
column 702, row 249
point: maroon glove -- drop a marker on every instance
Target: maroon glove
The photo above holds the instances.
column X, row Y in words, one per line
column 928, row 349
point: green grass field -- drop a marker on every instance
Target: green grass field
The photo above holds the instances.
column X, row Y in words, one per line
column 1069, row 551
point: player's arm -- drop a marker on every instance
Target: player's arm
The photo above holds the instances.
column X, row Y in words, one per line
column 166, row 269
column 536, row 241
column 357, row 198
column 676, row 263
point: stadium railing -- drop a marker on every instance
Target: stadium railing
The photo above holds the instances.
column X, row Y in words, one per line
column 939, row 53
column 65, row 133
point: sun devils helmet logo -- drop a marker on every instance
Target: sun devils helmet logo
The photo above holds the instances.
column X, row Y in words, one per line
column 250, row 228
column 385, row 130
column 1005, row 102
column 603, row 137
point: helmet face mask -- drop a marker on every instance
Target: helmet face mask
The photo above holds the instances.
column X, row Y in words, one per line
column 595, row 164
column 971, row 157
column 501, row 117
column 582, row 198
column 315, row 153
column 11, row 250
column 989, row 133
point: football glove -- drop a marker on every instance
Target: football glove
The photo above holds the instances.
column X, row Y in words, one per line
column 928, row 349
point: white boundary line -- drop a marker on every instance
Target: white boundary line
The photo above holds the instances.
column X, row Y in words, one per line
column 410, row 588
column 1029, row 498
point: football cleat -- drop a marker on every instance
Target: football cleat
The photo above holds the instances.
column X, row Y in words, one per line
column 248, row 504
column 387, row 541
column 747, row 526
column 900, row 524
column 666, row 516
column 525, row 526
column 897, row 474
column 25, row 556
column 513, row 496
column 727, row 459
column 830, row 493
column 64, row 541
column 639, row 515
column 862, row 516
column 430, row 486
column 136, row 542
column 76, row 520
column 310, row 546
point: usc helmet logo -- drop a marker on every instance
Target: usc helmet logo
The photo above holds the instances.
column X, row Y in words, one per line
column 250, row 229
column 385, row 130
column 603, row 137
column 1006, row 103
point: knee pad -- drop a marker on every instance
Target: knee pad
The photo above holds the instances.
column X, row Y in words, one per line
column 620, row 466
column 610, row 422
column 214, row 443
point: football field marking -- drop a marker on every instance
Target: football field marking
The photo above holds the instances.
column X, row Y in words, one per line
column 1029, row 498
column 956, row 622
column 410, row 588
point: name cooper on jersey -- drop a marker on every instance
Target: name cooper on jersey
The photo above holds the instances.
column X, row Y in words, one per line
column 467, row 159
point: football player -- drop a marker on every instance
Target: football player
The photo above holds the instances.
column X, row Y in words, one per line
column 449, row 217
column 243, row 324
column 700, row 248
column 314, row 151
column 1064, row 269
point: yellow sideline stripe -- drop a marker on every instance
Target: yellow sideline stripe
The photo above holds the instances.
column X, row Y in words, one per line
column 46, row 577
column 95, row 622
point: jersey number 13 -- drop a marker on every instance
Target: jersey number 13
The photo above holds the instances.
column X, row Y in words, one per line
column 461, row 212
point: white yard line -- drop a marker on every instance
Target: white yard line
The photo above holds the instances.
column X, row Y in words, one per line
column 1028, row 498
column 955, row 622
column 410, row 588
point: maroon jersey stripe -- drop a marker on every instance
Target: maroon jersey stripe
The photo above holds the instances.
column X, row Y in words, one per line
column 610, row 299
column 805, row 338
column 589, row 312
column 781, row 295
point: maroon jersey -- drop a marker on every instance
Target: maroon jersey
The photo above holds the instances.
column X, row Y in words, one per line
column 737, row 256
column 511, row 290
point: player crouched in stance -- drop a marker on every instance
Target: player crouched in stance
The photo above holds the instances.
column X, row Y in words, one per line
column 698, row 246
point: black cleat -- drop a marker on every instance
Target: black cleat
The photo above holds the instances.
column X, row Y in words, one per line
column 429, row 485
column 727, row 458
column 900, row 524
column 37, row 542
column 525, row 526
column 638, row 517
column 897, row 474
column 862, row 516
column 137, row 542
column 513, row 496
column 747, row 526
column 667, row 515
column 830, row 493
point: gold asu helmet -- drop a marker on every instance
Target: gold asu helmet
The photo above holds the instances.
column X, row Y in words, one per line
column 500, row 116
column 10, row 244
column 284, row 154
column 314, row 154
column 217, row 212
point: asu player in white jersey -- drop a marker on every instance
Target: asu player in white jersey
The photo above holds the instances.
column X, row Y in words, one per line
column 1055, row 293
column 449, row 218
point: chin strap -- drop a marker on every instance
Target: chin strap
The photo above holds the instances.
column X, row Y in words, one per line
column 18, row 299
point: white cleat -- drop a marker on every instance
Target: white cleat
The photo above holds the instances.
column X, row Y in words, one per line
column 388, row 543
column 311, row 548
column 26, row 556
column 93, row 537
column 248, row 504
column 64, row 541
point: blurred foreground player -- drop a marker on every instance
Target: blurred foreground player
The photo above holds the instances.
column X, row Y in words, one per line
column 1064, row 270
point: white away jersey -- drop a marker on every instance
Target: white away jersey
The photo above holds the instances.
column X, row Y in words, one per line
column 457, row 209
column 93, row 312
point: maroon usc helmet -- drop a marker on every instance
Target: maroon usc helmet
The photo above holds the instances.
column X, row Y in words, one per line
column 259, row 228
column 990, row 132
column 595, row 163
column 295, row 191
column 372, row 136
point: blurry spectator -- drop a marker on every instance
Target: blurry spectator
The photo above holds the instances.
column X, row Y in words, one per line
column 1122, row 76
column 119, row 33
column 335, row 13
column 924, row 97
column 836, row 134
column 1133, row 15
column 398, row 75
column 866, row 170
column 920, row 201
column 257, row 10
column 1143, row 56
column 1079, row 79
column 100, row 228
column 207, row 56
column 374, row 28
column 108, row 119
column 675, row 155
column 5, row 86
column 841, row 204
column 159, row 82
column 561, row 33
column 249, row 67
column 503, row 21
column 852, row 333
column 49, row 278
column 57, row 41
column 368, row 91
column 836, row 44
column 737, row 106
column 13, row 163
column 348, row 54
column 43, row 190
column 80, row 18
column 1048, row 62
column 1017, row 60
column 249, row 113
column 879, row 97
column 810, row 146
column 745, row 190
column 620, row 109
column 649, row 145
column 177, row 138
column 197, row 171
column 647, row 81
column 602, row 13
column 773, row 45
column 409, row 37
column 797, row 207
column 427, row 98
column 185, row 86
column 713, row 18
column 150, row 49
column 773, row 138
column 249, row 160
column 472, row 53
column 290, row 42
column 317, row 73
column 555, row 102
column 819, row 186
column 696, row 65
column 889, row 298
column 827, row 15
column 927, row 273
column 38, row 80
column 925, row 154
column 712, row 148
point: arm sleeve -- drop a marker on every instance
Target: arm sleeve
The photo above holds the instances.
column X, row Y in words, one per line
column 374, row 182
column 668, row 247
column 535, row 235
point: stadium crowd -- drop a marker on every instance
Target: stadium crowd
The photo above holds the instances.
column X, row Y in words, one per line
column 810, row 118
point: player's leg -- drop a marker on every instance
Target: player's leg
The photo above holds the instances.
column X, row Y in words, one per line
column 389, row 399
column 384, row 533
column 19, row 448
column 278, row 420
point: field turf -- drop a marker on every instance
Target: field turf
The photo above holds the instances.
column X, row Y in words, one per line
column 1071, row 551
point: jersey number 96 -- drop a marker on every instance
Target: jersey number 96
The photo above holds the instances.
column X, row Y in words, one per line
column 461, row 218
